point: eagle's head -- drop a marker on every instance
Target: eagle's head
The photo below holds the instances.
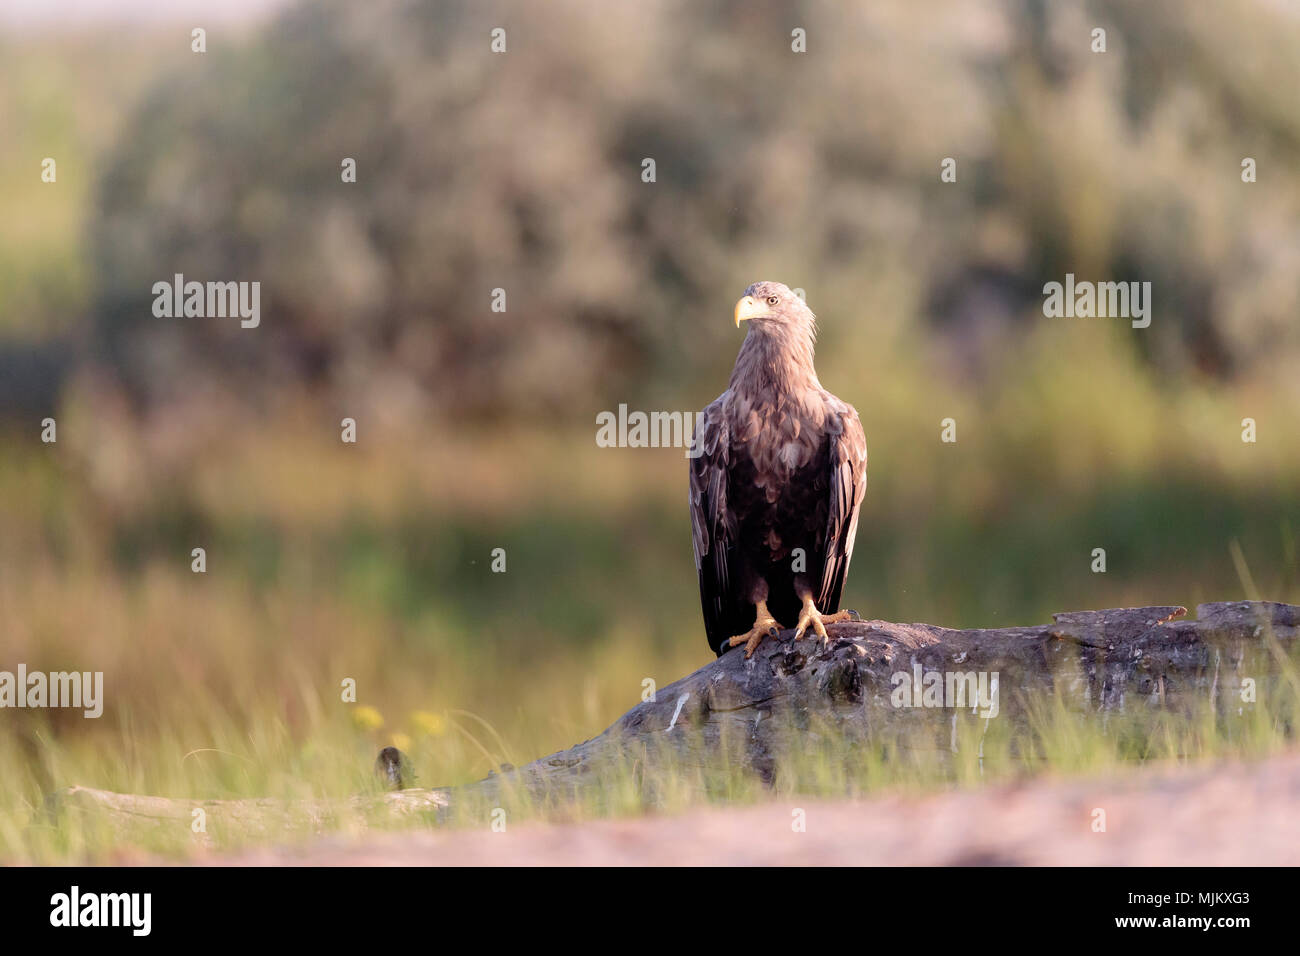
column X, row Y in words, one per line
column 771, row 307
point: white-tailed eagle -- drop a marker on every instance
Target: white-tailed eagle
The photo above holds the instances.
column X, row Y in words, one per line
column 779, row 476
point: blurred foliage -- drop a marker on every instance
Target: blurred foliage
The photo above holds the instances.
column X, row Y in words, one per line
column 522, row 171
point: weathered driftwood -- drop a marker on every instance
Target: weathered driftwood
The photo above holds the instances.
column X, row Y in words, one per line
column 866, row 685
column 251, row 818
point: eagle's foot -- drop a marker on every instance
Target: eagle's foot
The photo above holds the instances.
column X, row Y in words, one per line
column 818, row 620
column 765, row 625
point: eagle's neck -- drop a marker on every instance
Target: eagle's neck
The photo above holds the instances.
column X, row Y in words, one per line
column 773, row 363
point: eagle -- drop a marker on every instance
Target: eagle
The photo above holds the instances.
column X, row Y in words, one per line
column 777, row 475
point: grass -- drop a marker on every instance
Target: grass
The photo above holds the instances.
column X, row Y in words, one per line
column 329, row 756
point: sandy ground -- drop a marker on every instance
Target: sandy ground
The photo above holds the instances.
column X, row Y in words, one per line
column 1226, row 814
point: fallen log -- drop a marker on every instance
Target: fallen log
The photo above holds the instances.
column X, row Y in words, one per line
column 262, row 817
column 873, row 683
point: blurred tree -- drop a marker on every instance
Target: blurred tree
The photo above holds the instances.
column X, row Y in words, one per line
column 521, row 171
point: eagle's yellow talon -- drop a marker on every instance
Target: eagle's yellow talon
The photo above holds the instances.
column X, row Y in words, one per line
column 810, row 615
column 765, row 625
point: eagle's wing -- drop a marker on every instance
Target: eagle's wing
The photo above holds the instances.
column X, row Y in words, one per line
column 848, row 483
column 712, row 527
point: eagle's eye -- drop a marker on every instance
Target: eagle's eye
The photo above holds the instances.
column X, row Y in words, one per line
column 772, row 300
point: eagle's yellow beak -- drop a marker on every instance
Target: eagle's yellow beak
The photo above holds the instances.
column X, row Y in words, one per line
column 748, row 308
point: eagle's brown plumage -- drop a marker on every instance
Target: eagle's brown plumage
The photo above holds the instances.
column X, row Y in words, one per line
column 782, row 465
